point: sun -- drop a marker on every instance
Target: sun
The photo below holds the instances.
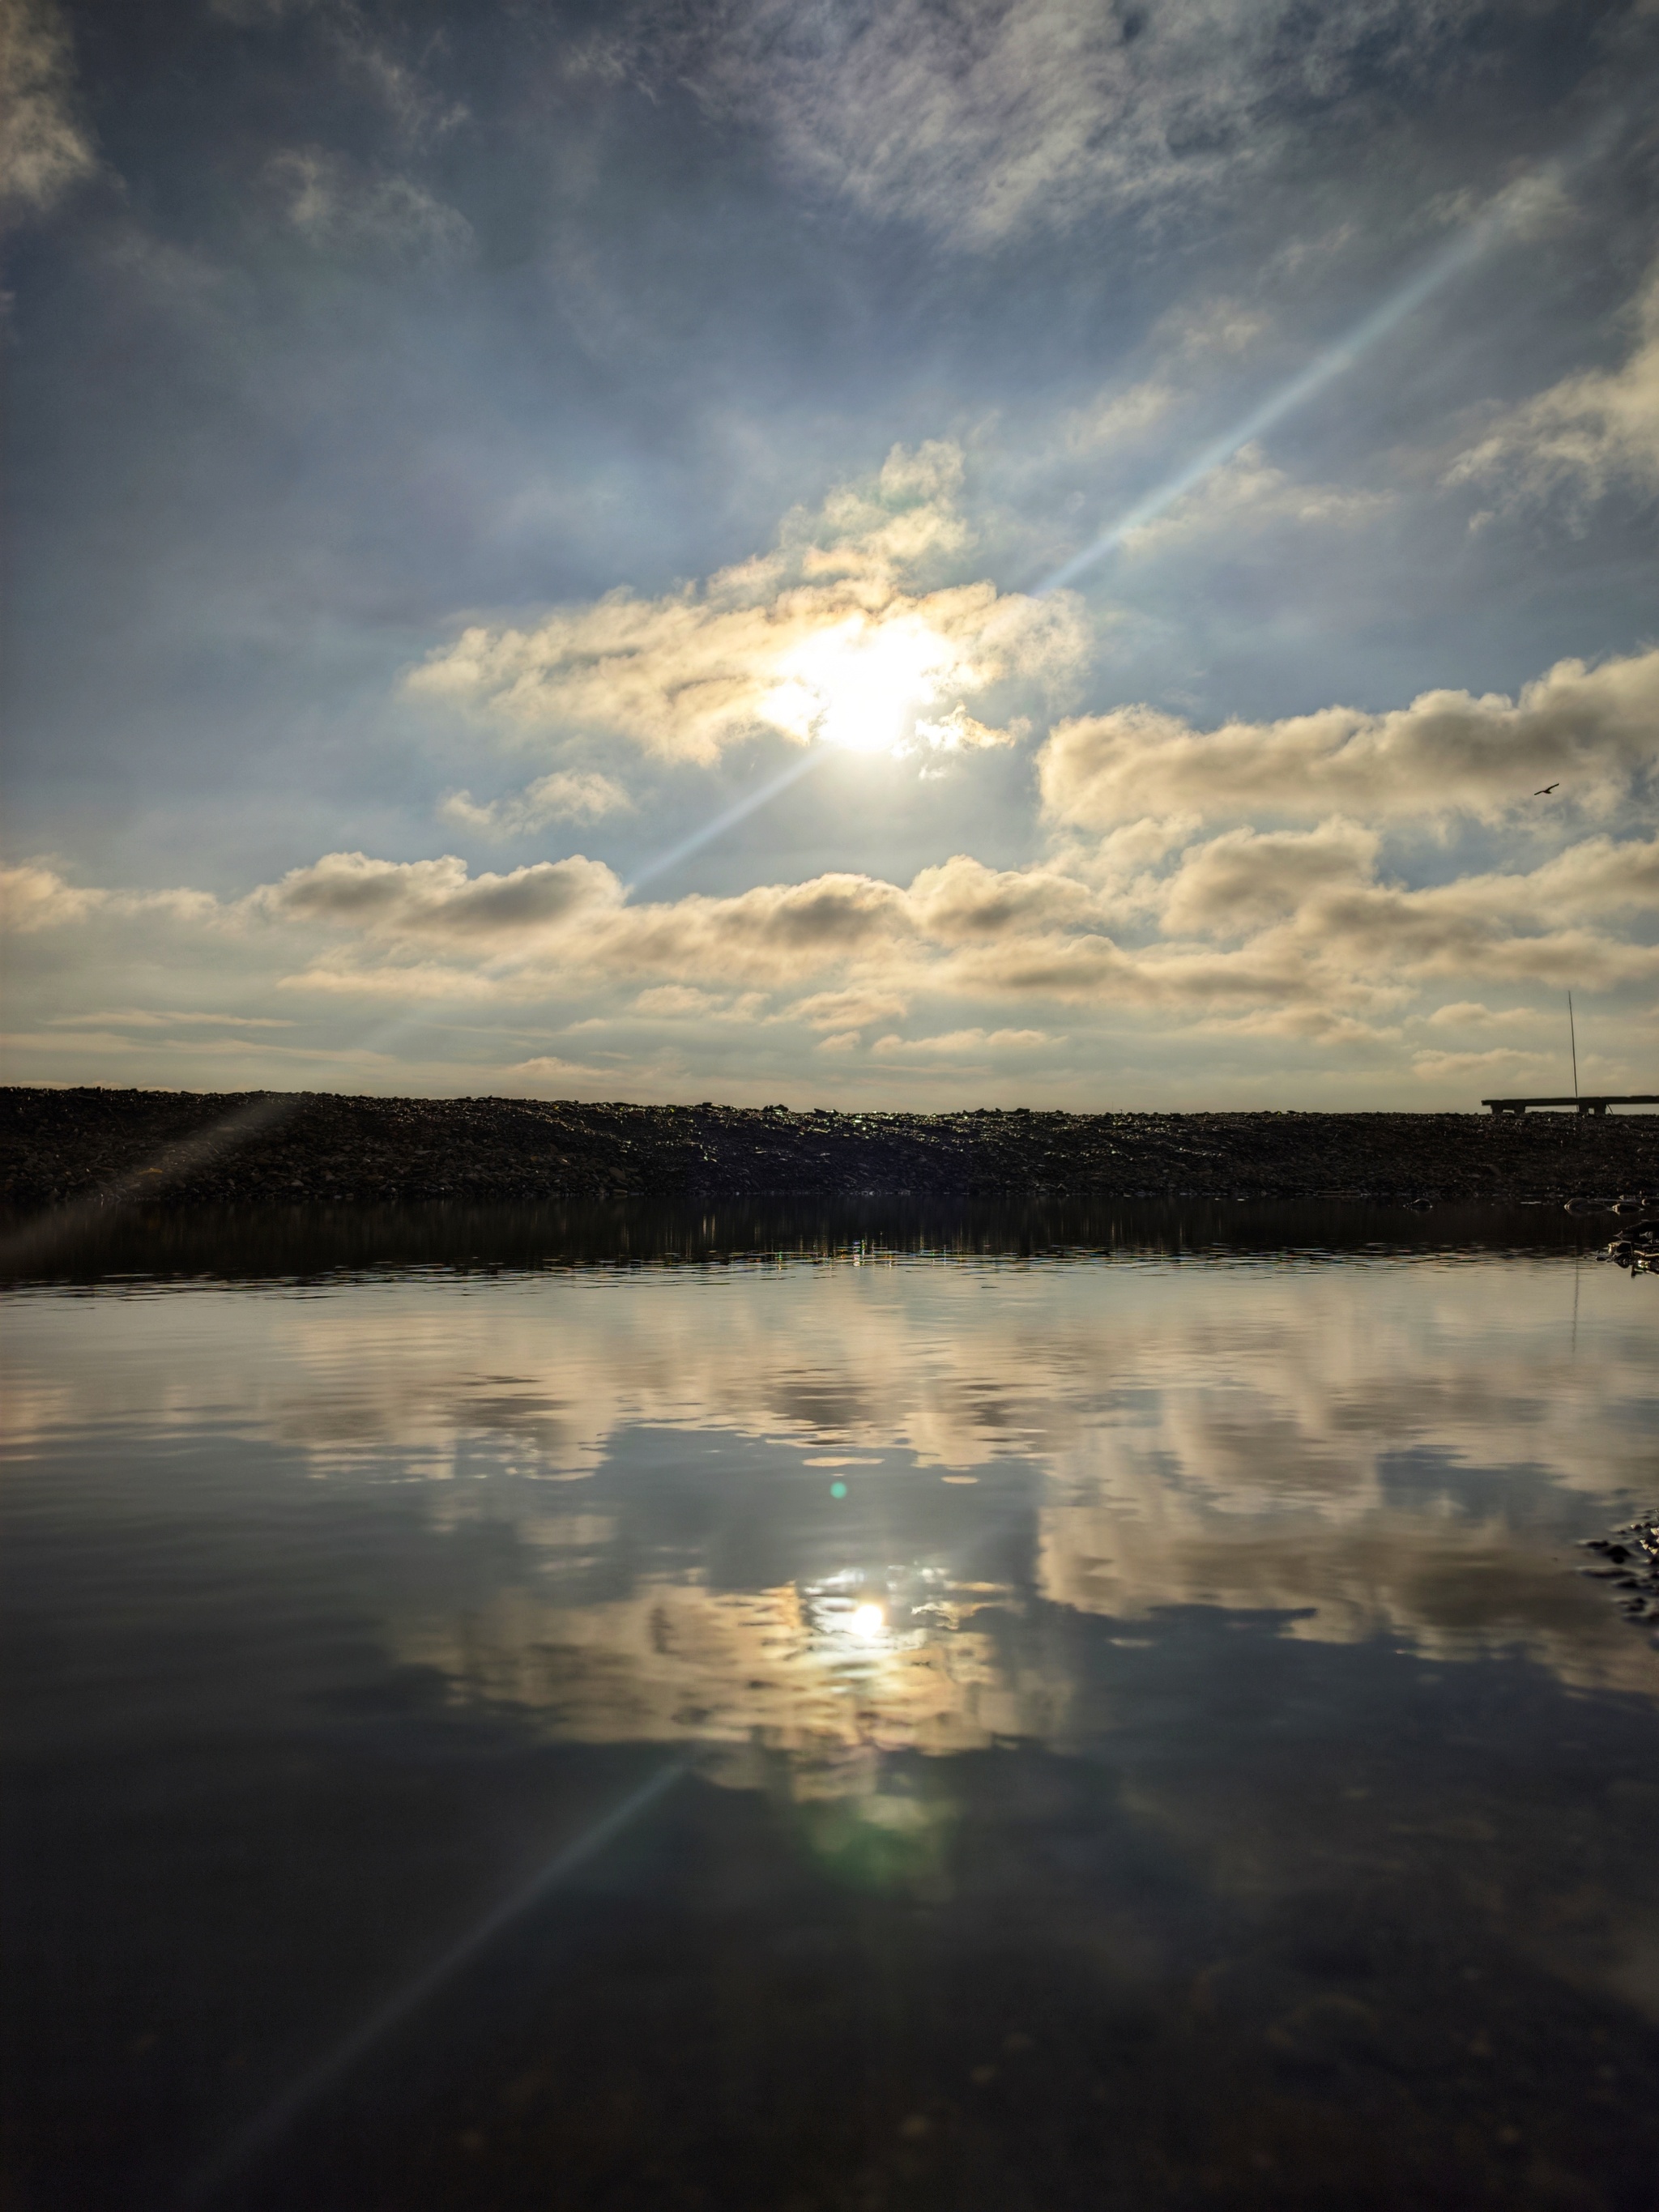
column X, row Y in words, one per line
column 859, row 685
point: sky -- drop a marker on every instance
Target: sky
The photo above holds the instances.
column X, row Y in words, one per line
column 932, row 553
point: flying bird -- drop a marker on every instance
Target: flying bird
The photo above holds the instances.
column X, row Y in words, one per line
column 1548, row 787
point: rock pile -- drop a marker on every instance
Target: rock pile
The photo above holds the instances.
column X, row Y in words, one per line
column 1628, row 1562
column 106, row 1147
column 1635, row 1248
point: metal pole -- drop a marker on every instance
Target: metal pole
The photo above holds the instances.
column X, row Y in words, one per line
column 1573, row 1037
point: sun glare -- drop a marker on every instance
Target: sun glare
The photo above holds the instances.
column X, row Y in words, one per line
column 859, row 687
column 867, row 1622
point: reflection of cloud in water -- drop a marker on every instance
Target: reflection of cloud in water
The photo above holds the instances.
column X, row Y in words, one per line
column 788, row 1669
column 1397, row 1449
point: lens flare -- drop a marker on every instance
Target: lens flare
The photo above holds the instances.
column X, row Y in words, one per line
column 266, row 2127
column 1505, row 218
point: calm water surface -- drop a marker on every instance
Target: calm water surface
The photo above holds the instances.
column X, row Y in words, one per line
column 865, row 1729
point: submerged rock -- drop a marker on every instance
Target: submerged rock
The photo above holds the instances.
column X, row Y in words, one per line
column 1636, row 1248
column 1627, row 1560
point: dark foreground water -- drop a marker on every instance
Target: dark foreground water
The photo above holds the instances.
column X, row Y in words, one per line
column 1093, row 1712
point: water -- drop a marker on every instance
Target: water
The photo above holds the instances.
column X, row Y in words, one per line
column 1117, row 1724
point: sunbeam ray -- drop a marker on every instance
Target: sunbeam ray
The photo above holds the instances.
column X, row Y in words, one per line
column 738, row 811
column 250, row 2141
column 1501, row 220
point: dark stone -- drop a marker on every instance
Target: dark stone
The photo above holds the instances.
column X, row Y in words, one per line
column 1637, row 1543
column 105, row 1146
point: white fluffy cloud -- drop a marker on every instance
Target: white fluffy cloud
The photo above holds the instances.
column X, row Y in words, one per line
column 1269, row 920
column 844, row 635
column 962, row 1045
column 35, row 897
column 1274, row 920
column 1245, row 938
column 422, row 902
column 984, row 118
column 1595, row 731
column 1584, row 434
column 1239, row 884
column 1252, row 930
column 566, row 795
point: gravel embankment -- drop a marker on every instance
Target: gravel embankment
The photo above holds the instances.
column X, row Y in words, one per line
column 58, row 1147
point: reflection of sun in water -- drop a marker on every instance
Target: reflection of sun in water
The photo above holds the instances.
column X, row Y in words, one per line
column 852, row 1630
column 859, row 686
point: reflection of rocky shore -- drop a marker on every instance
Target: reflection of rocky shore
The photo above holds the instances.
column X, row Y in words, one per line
column 180, row 1148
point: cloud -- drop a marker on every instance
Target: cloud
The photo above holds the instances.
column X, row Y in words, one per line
column 1470, row 1014
column 775, row 933
column 954, row 1044
column 45, row 147
column 1118, row 417
column 394, row 977
column 335, row 204
column 957, row 732
column 1529, row 928
column 548, row 1067
column 1281, row 932
column 962, row 901
column 838, row 1009
column 846, row 634
column 141, row 1018
column 1239, row 884
column 1500, row 1064
column 35, row 897
column 419, row 111
column 1247, row 494
column 1596, row 729
column 1205, row 330
column 675, row 1000
column 1256, row 930
column 982, row 119
column 1295, row 930
column 1194, row 345
column 1278, row 932
column 1583, row 435
column 399, row 903
column 566, row 795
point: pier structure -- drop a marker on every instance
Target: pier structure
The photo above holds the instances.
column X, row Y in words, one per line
column 1585, row 1105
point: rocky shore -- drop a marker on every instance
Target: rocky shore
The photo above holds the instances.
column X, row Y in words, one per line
column 104, row 1147
column 1629, row 1564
